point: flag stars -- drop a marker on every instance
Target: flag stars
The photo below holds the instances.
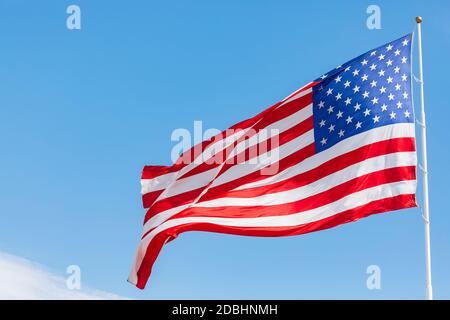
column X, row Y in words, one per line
column 329, row 91
column 399, row 105
column 396, row 69
column 323, row 76
column 330, row 109
column 339, row 114
column 347, row 84
column 392, row 115
column 331, row 128
column 357, row 106
column 323, row 141
column 349, row 120
column 376, row 119
column 366, row 112
column 338, row 79
column 384, row 107
column 405, row 95
column 404, row 59
column 341, row 133
column 397, row 52
column 338, row 96
column 373, row 84
column 382, row 90
column 355, row 72
column 405, row 42
column 356, row 89
column 398, row 87
column 404, row 77
column 364, row 77
column 321, row 104
column 381, row 73
column 373, row 53
column 358, row 125
column 364, row 62
column 365, row 94
column 322, row 123
column 389, row 47
column 381, row 57
column 407, row 114
column 348, row 101
column 374, row 100
column 347, row 69
column 389, row 62
column 373, row 67
column 389, row 79
column 391, row 97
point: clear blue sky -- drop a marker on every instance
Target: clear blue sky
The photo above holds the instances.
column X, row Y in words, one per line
column 82, row 111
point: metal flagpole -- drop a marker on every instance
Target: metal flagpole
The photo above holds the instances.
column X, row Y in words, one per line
column 424, row 168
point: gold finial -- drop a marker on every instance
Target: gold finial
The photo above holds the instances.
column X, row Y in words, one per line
column 419, row 19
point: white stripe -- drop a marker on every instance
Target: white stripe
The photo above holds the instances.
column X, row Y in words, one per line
column 400, row 130
column 349, row 202
column 367, row 166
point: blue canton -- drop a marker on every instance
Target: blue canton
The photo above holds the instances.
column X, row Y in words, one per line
column 370, row 91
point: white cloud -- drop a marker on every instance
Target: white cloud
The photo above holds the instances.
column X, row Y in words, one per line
column 23, row 279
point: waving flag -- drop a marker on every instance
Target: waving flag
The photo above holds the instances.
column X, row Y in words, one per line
column 337, row 150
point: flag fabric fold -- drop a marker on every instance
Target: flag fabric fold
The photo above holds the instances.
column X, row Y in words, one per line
column 339, row 149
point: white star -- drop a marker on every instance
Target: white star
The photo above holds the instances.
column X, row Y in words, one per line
column 323, row 141
column 329, row 91
column 389, row 79
column 373, row 53
column 404, row 60
column 391, row 97
column 376, row 119
column 364, row 77
column 382, row 90
column 339, row 114
column 373, row 83
column 347, row 69
column 365, row 94
column 374, row 100
column 338, row 96
column 355, row 72
column 366, row 112
column 392, row 115
column 338, row 79
column 357, row 106
column 405, row 42
column 397, row 87
column 389, row 47
column 381, row 57
column 348, row 101
column 347, row 84
column 396, row 69
column 356, row 89
column 338, row 67
column 341, row 133
column 330, row 109
column 384, row 107
column 404, row 77
column 373, row 66
column 349, row 119
column 407, row 114
column 405, row 95
column 324, row 76
column 331, row 127
column 397, row 52
column 364, row 62
column 321, row 104
column 399, row 105
column 322, row 123
column 381, row 73
column 389, row 62
column 358, row 125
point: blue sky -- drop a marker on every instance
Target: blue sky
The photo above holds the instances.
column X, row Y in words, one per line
column 81, row 111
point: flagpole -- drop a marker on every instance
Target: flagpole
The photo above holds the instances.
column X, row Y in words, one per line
column 424, row 168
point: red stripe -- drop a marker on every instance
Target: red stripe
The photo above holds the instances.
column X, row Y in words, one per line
column 374, row 207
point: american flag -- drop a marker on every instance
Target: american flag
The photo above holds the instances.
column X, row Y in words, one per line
column 345, row 149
